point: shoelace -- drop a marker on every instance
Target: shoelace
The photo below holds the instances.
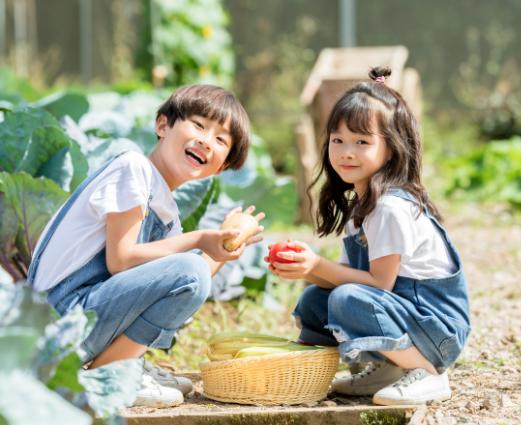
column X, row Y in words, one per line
column 367, row 371
column 410, row 376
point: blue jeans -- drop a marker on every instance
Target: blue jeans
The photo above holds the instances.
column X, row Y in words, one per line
column 147, row 303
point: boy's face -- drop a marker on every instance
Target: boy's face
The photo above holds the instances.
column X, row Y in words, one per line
column 194, row 148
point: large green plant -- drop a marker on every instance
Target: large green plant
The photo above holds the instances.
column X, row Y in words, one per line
column 190, row 41
column 489, row 173
column 39, row 354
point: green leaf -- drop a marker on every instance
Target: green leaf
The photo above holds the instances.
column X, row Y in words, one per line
column 33, row 141
column 15, row 133
column 195, row 199
column 68, row 167
column 10, row 299
column 111, row 387
column 17, row 347
column 64, row 336
column 60, row 104
column 24, row 400
column 66, row 374
column 32, row 202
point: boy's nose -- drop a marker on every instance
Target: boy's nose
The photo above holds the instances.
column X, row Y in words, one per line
column 203, row 143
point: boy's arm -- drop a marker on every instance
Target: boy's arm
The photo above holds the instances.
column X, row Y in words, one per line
column 215, row 266
column 123, row 252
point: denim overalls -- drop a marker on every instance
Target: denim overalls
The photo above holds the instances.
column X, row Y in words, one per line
column 147, row 303
column 431, row 314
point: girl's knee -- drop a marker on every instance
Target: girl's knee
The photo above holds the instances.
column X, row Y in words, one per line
column 354, row 299
column 311, row 308
column 313, row 295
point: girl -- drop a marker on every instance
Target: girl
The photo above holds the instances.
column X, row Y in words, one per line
column 398, row 298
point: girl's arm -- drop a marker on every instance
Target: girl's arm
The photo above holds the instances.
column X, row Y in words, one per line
column 382, row 271
column 122, row 251
column 319, row 281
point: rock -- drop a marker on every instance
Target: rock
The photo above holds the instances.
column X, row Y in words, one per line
column 505, row 401
column 487, row 404
column 472, row 406
column 310, row 404
column 328, row 403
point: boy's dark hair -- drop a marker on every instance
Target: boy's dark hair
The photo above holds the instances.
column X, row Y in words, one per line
column 217, row 104
column 360, row 108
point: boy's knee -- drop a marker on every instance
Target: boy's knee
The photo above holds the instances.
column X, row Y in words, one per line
column 196, row 267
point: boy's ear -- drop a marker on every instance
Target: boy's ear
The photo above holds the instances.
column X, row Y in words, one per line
column 161, row 126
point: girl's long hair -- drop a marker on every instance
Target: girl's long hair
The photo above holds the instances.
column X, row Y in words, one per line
column 360, row 108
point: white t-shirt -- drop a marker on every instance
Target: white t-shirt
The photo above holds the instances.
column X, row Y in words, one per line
column 394, row 228
column 126, row 183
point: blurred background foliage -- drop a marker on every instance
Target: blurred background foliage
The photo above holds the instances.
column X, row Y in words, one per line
column 81, row 81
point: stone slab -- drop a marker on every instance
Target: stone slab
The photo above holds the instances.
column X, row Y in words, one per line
column 198, row 410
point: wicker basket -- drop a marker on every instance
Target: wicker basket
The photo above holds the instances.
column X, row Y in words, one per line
column 283, row 378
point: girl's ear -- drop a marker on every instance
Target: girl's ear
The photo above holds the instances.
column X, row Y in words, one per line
column 161, row 126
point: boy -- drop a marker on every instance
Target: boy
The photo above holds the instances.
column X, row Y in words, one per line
column 117, row 247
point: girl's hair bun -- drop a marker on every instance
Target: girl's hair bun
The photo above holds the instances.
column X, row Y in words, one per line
column 379, row 71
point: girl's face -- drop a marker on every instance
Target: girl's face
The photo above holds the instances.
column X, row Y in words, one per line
column 194, row 148
column 356, row 157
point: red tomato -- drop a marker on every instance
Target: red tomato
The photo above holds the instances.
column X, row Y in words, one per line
column 280, row 247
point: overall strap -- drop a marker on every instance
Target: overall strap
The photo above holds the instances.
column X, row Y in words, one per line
column 400, row 193
column 31, row 273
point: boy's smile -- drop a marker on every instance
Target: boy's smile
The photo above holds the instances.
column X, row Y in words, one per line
column 356, row 157
column 194, row 148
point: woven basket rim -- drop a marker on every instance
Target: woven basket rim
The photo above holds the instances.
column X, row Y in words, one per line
column 267, row 357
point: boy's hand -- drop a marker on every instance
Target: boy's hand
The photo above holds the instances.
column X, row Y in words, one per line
column 304, row 262
column 212, row 241
column 256, row 237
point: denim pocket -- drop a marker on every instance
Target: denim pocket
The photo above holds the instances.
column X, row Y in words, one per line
column 448, row 343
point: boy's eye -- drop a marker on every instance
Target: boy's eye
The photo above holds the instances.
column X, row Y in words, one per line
column 198, row 124
column 222, row 140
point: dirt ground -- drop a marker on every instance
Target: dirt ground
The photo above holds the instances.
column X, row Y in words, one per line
column 486, row 380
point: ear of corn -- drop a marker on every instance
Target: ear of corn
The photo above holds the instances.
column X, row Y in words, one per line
column 230, row 345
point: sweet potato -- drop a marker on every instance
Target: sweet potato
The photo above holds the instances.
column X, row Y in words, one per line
column 247, row 225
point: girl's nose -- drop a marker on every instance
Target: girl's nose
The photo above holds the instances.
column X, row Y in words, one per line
column 346, row 154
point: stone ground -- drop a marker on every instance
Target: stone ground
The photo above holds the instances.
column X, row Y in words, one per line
column 486, row 380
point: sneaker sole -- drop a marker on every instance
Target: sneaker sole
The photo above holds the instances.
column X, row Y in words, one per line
column 359, row 392
column 145, row 402
column 383, row 401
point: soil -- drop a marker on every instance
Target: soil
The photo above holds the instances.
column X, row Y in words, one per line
column 486, row 379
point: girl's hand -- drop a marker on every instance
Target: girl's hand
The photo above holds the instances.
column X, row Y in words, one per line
column 304, row 262
column 256, row 237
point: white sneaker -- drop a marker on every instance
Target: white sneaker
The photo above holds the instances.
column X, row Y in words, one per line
column 166, row 379
column 417, row 386
column 374, row 377
column 151, row 394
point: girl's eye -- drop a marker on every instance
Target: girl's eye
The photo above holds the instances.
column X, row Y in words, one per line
column 361, row 142
column 221, row 140
column 336, row 141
